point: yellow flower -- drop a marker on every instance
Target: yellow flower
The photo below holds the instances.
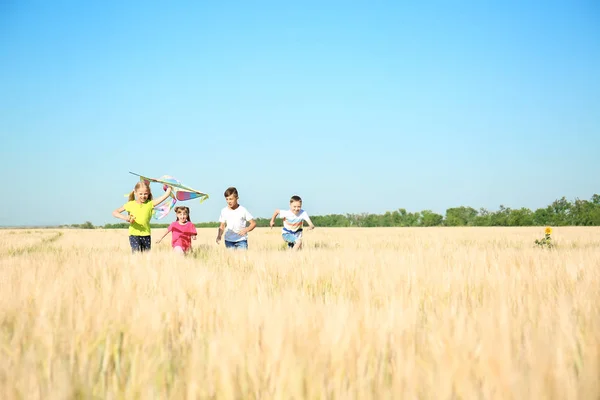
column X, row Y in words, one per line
column 548, row 230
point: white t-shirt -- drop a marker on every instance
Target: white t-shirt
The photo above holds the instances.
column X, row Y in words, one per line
column 235, row 221
column 292, row 223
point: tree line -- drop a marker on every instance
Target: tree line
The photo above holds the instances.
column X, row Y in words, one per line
column 560, row 213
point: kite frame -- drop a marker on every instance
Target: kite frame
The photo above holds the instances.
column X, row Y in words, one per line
column 202, row 197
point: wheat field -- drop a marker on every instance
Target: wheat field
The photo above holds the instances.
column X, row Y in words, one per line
column 428, row 313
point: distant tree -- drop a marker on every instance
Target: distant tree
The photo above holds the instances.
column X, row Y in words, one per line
column 262, row 222
column 585, row 213
column 372, row 220
column 333, row 220
column 405, row 218
column 483, row 218
column 500, row 217
column 121, row 225
column 561, row 212
column 87, row 225
column 520, row 217
column 429, row 218
column 460, row 216
column 540, row 217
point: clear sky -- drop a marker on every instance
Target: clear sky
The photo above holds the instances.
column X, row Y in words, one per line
column 357, row 106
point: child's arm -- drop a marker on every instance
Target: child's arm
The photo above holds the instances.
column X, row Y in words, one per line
column 163, row 197
column 126, row 218
column 220, row 233
column 275, row 214
column 163, row 236
column 310, row 224
column 247, row 229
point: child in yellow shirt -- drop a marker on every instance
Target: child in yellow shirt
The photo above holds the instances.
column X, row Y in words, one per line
column 139, row 211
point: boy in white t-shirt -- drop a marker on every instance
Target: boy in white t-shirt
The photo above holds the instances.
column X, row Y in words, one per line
column 234, row 222
column 293, row 220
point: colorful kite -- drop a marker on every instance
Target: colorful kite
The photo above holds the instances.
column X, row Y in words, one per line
column 179, row 192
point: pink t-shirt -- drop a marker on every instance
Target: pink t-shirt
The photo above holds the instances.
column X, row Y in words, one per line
column 182, row 234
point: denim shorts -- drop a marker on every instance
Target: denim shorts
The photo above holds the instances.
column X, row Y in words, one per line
column 290, row 237
column 242, row 245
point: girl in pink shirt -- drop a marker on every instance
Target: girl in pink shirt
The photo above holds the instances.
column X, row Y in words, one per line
column 183, row 231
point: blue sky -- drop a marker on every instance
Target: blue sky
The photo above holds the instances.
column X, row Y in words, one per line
column 355, row 106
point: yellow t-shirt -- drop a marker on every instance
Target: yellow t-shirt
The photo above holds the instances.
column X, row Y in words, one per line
column 142, row 213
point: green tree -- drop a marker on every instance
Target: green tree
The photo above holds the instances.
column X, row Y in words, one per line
column 460, row 216
column 559, row 212
column 540, row 217
column 429, row 218
column 483, row 218
column 500, row 217
column 520, row 217
column 585, row 213
column 404, row 218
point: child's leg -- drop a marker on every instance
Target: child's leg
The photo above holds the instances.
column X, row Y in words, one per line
column 241, row 245
column 178, row 250
column 298, row 244
column 289, row 239
column 134, row 243
column 145, row 243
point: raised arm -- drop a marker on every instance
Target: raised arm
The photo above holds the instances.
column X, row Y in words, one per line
column 163, row 197
column 275, row 214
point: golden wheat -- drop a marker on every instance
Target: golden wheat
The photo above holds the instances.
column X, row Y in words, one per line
column 359, row 313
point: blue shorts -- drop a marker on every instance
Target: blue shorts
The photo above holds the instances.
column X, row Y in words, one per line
column 242, row 245
column 291, row 238
column 140, row 243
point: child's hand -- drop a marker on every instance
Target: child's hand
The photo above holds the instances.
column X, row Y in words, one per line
column 272, row 223
column 311, row 227
column 158, row 241
column 243, row 231
column 131, row 219
column 194, row 237
column 218, row 239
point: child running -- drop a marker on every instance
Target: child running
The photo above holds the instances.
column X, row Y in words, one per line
column 293, row 219
column 139, row 211
column 234, row 218
column 183, row 231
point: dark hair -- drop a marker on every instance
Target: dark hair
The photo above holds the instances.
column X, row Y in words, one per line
column 231, row 190
column 295, row 198
column 182, row 208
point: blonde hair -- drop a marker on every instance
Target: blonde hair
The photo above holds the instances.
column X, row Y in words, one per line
column 182, row 208
column 137, row 186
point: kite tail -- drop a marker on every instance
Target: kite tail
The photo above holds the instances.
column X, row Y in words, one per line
column 160, row 211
